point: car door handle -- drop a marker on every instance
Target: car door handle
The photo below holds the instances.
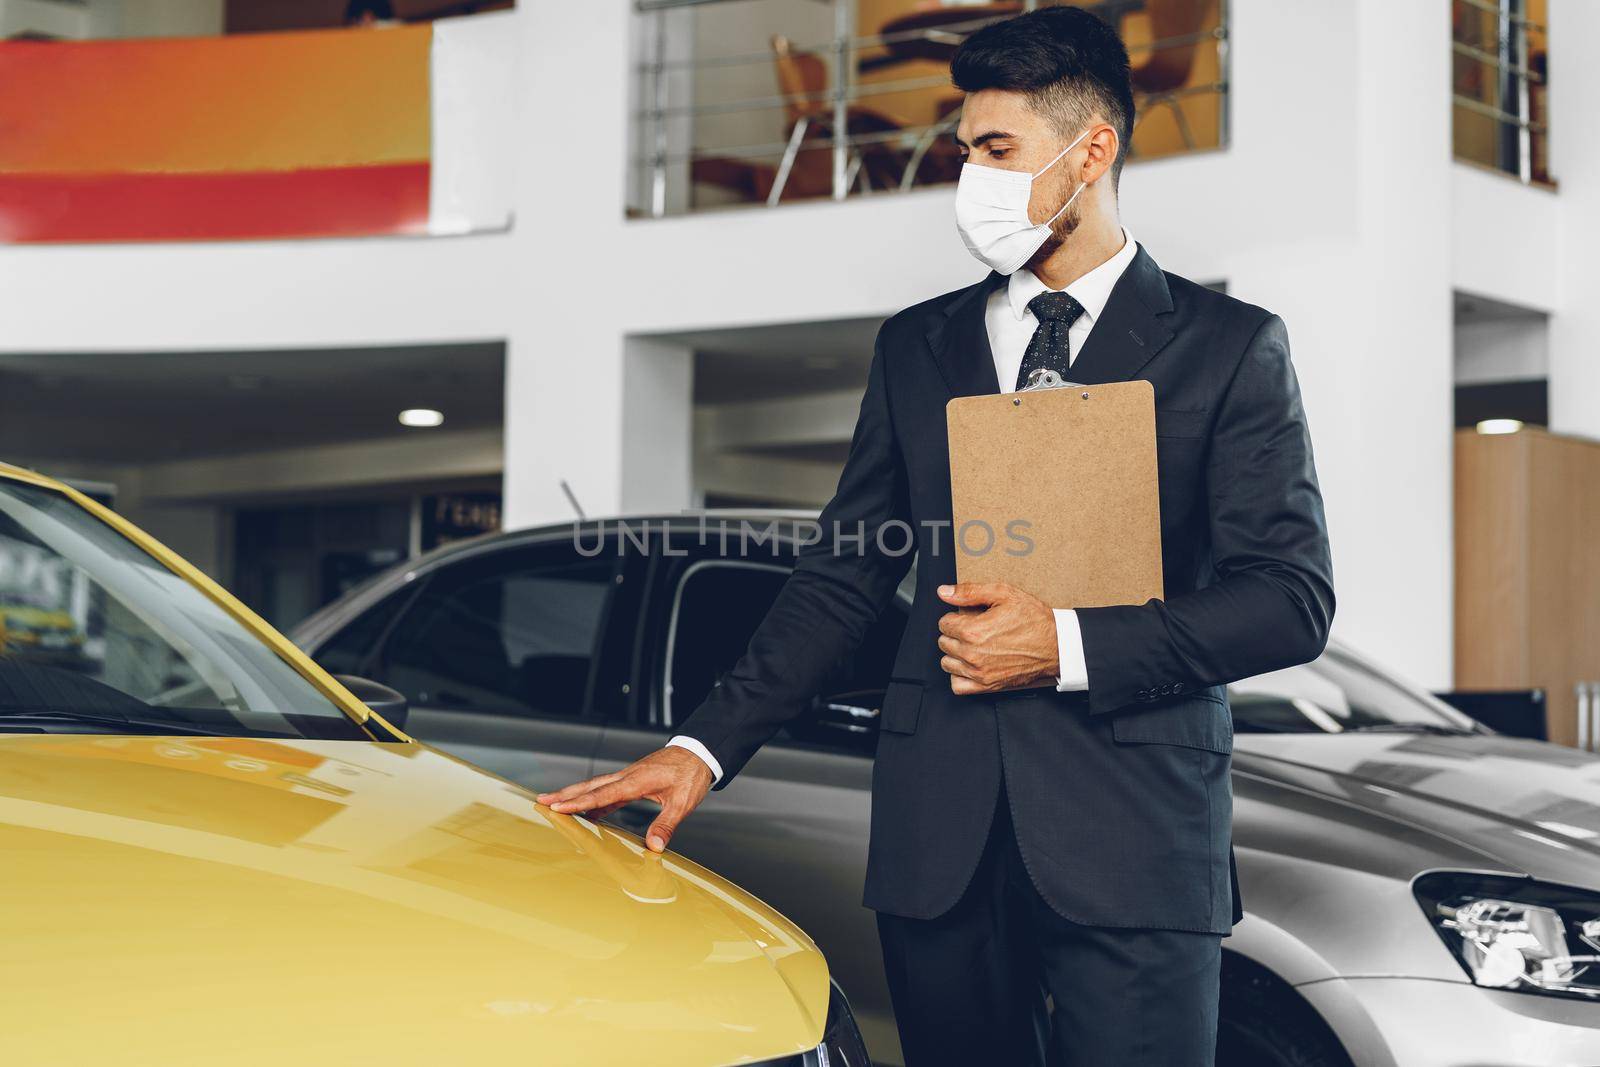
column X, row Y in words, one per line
column 855, row 711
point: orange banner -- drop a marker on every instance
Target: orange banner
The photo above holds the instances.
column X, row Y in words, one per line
column 91, row 131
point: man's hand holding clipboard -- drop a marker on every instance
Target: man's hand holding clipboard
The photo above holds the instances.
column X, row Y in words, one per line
column 1055, row 504
column 1003, row 638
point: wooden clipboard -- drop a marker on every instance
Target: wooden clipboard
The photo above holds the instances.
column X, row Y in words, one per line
column 1075, row 466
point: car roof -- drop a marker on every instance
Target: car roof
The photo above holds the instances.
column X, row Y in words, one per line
column 676, row 520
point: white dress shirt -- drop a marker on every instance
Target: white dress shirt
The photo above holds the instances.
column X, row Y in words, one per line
column 1011, row 326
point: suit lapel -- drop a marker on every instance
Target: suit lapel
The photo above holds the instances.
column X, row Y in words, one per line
column 959, row 338
column 1129, row 332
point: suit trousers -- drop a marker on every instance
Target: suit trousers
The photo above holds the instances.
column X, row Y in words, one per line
column 971, row 986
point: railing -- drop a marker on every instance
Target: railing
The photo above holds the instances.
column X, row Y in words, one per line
column 708, row 131
column 1500, row 86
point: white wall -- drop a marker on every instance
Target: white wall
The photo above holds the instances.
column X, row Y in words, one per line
column 1506, row 237
column 1575, row 160
column 156, row 18
column 1501, row 350
column 473, row 66
column 113, row 18
column 657, row 420
column 43, row 17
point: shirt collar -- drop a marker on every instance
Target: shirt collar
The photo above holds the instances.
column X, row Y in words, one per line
column 1092, row 290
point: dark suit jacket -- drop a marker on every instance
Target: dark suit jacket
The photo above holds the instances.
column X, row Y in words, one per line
column 1121, row 796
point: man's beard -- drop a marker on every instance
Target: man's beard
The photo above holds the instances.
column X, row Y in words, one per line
column 1060, row 230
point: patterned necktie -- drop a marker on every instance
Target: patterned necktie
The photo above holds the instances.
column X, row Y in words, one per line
column 1048, row 350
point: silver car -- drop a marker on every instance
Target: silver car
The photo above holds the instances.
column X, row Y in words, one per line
column 1417, row 890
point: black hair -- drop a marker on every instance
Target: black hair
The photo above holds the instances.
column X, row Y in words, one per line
column 1068, row 61
column 381, row 10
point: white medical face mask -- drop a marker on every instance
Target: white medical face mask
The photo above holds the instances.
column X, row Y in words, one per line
column 992, row 213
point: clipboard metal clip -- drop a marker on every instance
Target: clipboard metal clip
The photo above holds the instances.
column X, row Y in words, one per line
column 1045, row 378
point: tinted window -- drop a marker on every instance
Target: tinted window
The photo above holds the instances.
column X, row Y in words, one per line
column 719, row 606
column 349, row 650
column 512, row 635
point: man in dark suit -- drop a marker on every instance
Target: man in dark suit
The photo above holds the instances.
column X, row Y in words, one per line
column 1051, row 806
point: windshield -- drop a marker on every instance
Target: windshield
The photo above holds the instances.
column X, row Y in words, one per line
column 96, row 635
column 1336, row 695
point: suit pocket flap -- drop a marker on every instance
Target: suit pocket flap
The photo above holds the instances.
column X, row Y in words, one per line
column 902, row 706
column 1194, row 722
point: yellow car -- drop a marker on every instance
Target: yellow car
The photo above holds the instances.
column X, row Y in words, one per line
column 213, row 852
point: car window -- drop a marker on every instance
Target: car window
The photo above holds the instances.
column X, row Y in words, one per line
column 510, row 634
column 350, row 649
column 96, row 632
column 716, row 609
column 1333, row 694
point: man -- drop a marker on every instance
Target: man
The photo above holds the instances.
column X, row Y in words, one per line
column 1051, row 800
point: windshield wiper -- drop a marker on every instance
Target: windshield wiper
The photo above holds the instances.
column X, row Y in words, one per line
column 1434, row 728
column 113, row 724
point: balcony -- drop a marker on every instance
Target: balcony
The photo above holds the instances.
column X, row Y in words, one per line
column 1500, row 84
column 766, row 102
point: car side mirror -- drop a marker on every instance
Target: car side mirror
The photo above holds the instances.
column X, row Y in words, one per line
column 389, row 703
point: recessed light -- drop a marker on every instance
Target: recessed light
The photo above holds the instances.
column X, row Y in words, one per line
column 423, row 417
column 1496, row 426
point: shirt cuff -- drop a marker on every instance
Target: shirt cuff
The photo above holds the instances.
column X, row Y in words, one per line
column 690, row 744
column 1074, row 676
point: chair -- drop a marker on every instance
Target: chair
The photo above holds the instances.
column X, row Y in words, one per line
column 1166, row 70
column 809, row 114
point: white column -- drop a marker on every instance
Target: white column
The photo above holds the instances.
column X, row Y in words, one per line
column 1395, row 574
column 1575, row 163
column 568, row 277
column 657, row 426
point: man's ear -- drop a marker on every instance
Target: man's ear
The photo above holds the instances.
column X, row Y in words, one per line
column 1103, row 144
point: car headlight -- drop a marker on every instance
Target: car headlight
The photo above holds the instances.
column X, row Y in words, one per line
column 841, row 1045
column 1515, row 933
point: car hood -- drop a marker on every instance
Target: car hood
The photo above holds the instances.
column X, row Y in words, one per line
column 180, row 900
column 1487, row 802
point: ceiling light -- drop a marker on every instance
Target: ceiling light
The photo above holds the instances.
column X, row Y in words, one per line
column 426, row 417
column 1493, row 426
